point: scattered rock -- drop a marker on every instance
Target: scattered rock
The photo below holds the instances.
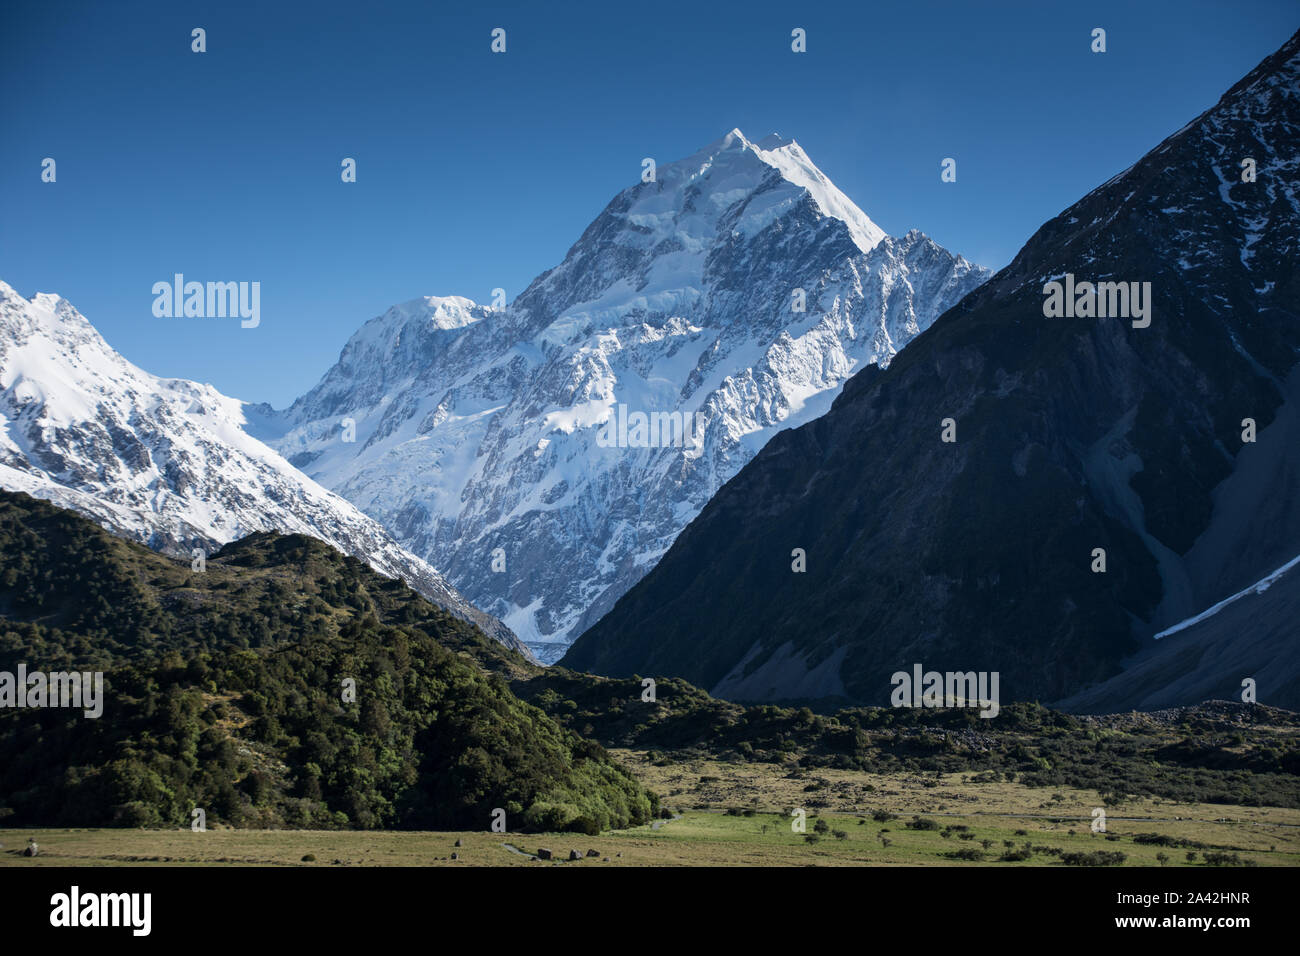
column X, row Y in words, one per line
column 457, row 843
column 593, row 853
column 618, row 854
column 575, row 855
column 32, row 849
column 543, row 854
column 606, row 860
column 309, row 858
column 456, row 856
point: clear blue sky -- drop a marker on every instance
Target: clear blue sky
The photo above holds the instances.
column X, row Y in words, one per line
column 478, row 170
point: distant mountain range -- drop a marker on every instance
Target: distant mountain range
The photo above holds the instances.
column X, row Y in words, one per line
column 1081, row 474
column 1127, row 433
column 725, row 300
column 165, row 462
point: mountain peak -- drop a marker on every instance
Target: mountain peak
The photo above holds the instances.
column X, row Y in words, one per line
column 1074, row 432
column 721, row 203
column 735, row 155
column 497, row 440
column 46, row 315
column 734, row 139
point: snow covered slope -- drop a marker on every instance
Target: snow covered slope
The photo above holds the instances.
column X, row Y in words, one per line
column 1259, row 587
column 164, row 461
column 478, row 430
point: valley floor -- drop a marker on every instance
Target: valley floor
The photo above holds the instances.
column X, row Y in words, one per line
column 739, row 815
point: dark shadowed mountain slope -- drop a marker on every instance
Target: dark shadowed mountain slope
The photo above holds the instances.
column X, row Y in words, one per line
column 1072, row 434
column 1248, row 636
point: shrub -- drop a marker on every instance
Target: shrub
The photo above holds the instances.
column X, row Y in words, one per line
column 1096, row 858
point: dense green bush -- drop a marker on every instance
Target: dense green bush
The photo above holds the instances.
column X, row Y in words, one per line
column 1095, row 858
column 224, row 691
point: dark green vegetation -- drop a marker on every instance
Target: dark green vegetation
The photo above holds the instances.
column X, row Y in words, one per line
column 71, row 593
column 1071, row 434
column 1217, row 752
column 225, row 693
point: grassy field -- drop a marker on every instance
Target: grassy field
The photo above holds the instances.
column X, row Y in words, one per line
column 698, row 838
column 711, row 799
column 720, row 785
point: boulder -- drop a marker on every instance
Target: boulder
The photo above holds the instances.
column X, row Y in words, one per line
column 543, row 854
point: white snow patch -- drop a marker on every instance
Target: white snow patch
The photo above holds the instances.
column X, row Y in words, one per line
column 1259, row 587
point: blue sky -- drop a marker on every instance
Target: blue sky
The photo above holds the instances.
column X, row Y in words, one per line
column 478, row 171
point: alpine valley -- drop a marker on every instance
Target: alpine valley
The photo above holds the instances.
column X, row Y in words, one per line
column 733, row 295
column 745, row 515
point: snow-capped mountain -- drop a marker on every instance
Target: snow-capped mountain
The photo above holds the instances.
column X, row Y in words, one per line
column 1113, row 476
column 736, row 292
column 166, row 462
